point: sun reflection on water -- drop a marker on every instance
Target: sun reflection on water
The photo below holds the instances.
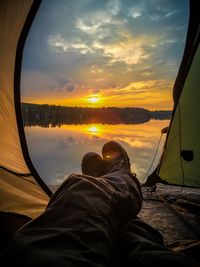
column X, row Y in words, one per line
column 94, row 129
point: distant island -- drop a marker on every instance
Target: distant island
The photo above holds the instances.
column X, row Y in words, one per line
column 51, row 115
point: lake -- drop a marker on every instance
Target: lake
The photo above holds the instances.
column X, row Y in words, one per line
column 57, row 152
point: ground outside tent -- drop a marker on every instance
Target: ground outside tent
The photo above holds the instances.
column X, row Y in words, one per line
column 175, row 212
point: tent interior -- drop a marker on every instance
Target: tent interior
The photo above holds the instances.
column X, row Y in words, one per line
column 171, row 192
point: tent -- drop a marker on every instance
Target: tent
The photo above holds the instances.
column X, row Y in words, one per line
column 23, row 194
column 181, row 157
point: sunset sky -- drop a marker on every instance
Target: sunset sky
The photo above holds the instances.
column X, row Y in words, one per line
column 104, row 53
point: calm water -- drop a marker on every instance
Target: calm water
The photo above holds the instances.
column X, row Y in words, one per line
column 56, row 152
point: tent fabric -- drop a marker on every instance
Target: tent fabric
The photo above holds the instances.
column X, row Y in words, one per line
column 191, row 43
column 20, row 191
column 13, row 188
column 13, row 15
column 181, row 157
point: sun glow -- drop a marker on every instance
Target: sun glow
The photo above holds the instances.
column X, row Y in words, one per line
column 93, row 99
column 95, row 129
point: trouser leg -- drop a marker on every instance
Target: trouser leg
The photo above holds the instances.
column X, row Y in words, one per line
column 80, row 226
column 128, row 190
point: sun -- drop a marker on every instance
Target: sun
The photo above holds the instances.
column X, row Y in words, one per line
column 93, row 99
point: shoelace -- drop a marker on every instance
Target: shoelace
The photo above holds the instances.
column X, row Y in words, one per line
column 116, row 165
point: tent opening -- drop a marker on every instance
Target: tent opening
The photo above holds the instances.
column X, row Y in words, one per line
column 94, row 71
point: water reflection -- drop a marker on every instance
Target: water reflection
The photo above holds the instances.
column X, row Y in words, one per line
column 56, row 152
column 94, row 129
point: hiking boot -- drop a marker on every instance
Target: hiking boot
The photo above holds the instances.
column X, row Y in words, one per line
column 115, row 157
column 93, row 165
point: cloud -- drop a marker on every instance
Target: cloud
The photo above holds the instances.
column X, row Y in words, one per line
column 148, row 94
column 140, row 88
column 59, row 44
column 136, row 14
column 68, row 87
column 127, row 48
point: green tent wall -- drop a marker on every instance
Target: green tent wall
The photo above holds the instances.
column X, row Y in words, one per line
column 180, row 162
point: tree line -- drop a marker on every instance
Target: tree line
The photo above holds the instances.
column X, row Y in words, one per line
column 43, row 115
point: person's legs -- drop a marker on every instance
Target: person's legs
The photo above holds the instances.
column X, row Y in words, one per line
column 120, row 177
column 111, row 200
column 80, row 225
column 139, row 243
column 76, row 229
column 115, row 165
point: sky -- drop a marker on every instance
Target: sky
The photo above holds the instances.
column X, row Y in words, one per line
column 102, row 53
